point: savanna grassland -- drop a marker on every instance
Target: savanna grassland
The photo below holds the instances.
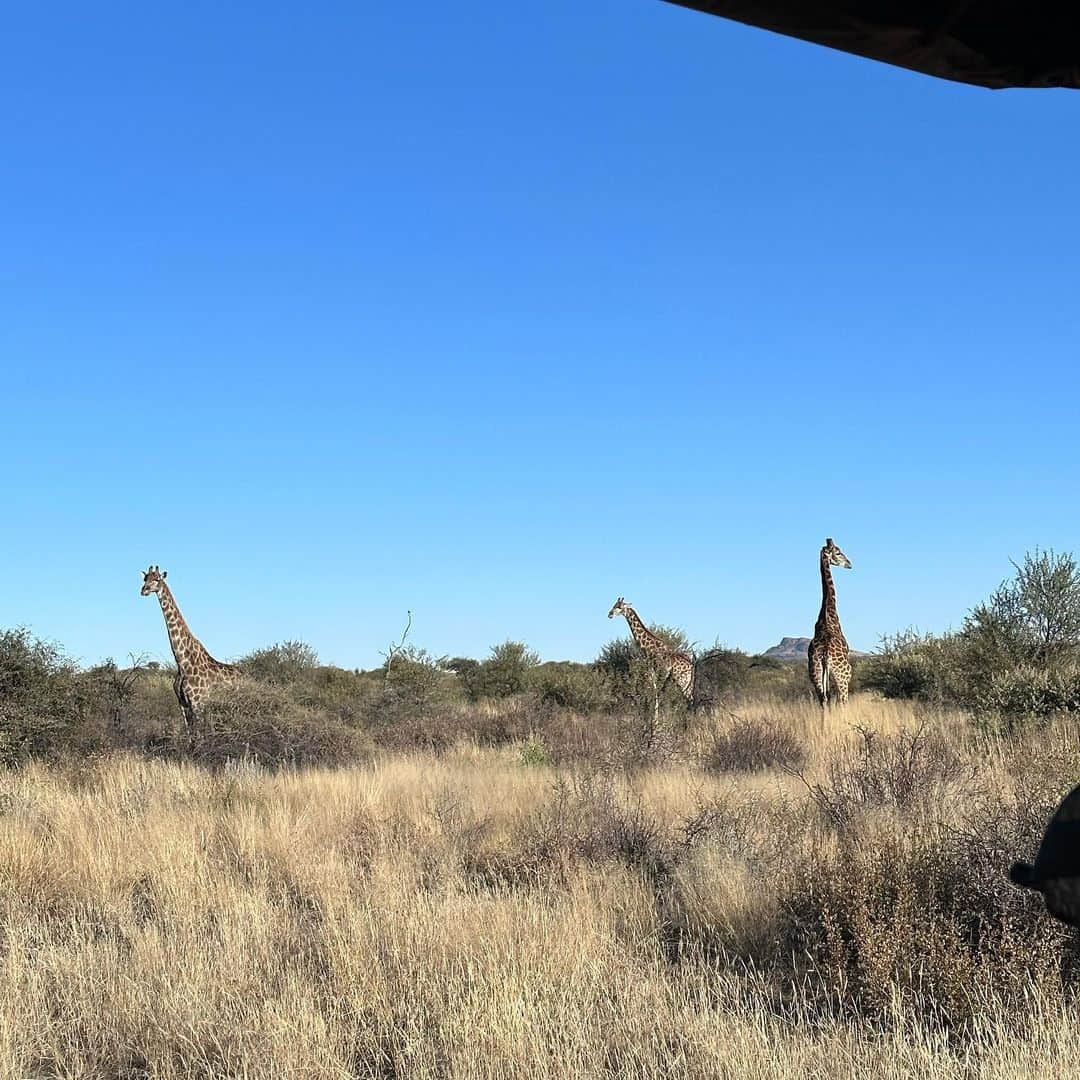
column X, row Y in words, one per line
column 449, row 867
column 769, row 895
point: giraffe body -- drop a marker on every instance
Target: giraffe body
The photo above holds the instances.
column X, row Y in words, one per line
column 198, row 674
column 666, row 663
column 827, row 654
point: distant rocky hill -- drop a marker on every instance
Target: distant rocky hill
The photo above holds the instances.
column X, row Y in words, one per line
column 792, row 650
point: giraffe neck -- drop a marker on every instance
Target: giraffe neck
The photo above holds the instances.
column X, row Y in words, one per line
column 646, row 640
column 187, row 648
column 828, row 616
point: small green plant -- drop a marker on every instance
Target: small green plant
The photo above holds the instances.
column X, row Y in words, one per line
column 534, row 752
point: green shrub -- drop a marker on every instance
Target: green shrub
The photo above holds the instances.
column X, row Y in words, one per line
column 1030, row 691
column 35, row 672
column 534, row 752
column 154, row 719
column 42, row 698
column 260, row 722
column 914, row 665
column 415, row 681
column 723, row 673
column 466, row 669
column 573, row 686
column 286, row 662
column 505, row 672
column 1016, row 656
column 345, row 695
column 1031, row 618
column 630, row 675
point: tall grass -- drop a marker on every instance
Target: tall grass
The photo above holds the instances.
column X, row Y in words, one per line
column 477, row 912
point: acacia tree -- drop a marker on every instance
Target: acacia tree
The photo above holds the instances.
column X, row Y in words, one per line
column 1034, row 616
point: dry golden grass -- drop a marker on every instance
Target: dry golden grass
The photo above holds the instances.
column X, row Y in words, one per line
column 469, row 916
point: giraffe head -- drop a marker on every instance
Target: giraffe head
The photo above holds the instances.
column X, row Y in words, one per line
column 618, row 608
column 835, row 556
column 153, row 579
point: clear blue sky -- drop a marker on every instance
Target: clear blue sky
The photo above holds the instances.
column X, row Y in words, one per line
column 496, row 312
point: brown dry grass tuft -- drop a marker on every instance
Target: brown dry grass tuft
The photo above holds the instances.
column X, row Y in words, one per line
column 463, row 914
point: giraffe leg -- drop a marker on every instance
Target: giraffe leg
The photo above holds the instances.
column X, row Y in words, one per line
column 192, row 730
column 841, row 672
column 819, row 677
column 190, row 722
column 187, row 707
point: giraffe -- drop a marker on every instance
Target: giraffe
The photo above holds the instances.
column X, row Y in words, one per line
column 197, row 672
column 830, row 668
column 665, row 662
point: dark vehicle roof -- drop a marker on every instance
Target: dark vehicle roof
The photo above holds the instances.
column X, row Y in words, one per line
column 993, row 43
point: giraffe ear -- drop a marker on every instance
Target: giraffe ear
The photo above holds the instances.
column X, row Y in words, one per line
column 164, row 575
column 828, row 541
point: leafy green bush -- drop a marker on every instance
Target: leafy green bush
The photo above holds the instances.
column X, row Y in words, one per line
column 914, row 665
column 286, row 662
column 414, row 685
column 505, row 672
column 1030, row 691
column 42, row 698
column 534, row 752
column 1017, row 654
column 1033, row 617
column 466, row 669
column 581, row 687
column 35, row 672
column 723, row 673
column 154, row 720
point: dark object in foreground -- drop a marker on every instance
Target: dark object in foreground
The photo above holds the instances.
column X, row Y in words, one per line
column 1056, row 873
column 994, row 43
